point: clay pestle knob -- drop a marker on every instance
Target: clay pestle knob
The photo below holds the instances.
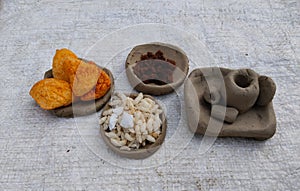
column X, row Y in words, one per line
column 212, row 95
column 242, row 89
column 228, row 114
column 267, row 89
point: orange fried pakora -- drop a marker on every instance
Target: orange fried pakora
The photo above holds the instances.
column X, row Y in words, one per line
column 74, row 80
column 82, row 78
column 102, row 86
column 51, row 93
column 58, row 63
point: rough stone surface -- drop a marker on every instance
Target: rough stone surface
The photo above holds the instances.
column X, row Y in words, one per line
column 40, row 151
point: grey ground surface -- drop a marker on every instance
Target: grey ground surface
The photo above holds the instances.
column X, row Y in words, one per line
column 42, row 152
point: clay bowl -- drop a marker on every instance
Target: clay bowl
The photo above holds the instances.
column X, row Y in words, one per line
column 142, row 152
column 82, row 108
column 169, row 52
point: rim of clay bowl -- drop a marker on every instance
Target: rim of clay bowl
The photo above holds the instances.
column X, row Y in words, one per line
column 82, row 108
column 142, row 152
column 171, row 52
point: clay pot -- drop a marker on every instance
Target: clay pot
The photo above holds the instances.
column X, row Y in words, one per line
column 142, row 152
column 242, row 89
column 83, row 107
column 170, row 52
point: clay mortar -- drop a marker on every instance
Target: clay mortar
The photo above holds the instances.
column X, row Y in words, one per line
column 242, row 89
column 258, row 121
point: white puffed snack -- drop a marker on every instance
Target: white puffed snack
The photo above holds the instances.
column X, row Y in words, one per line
column 127, row 120
column 131, row 123
column 138, row 98
column 112, row 121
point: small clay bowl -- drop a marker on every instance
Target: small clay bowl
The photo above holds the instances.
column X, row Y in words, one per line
column 82, row 108
column 142, row 152
column 169, row 52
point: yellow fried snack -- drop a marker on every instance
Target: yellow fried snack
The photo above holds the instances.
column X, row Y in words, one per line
column 58, row 63
column 51, row 93
column 70, row 67
column 102, row 86
column 84, row 78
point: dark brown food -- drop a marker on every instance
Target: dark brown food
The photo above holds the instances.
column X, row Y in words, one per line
column 155, row 68
column 154, row 71
column 158, row 55
column 157, row 51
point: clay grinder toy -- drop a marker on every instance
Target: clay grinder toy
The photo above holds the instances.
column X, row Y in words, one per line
column 241, row 100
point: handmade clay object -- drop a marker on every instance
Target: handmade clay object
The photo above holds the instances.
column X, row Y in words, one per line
column 266, row 90
column 239, row 101
column 82, row 108
column 170, row 52
column 242, row 89
column 142, row 152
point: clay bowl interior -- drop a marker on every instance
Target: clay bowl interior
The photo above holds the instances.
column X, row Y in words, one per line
column 169, row 52
column 142, row 152
column 82, row 108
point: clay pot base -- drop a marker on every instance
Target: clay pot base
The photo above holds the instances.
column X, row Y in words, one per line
column 142, row 152
column 258, row 123
column 82, row 108
column 169, row 52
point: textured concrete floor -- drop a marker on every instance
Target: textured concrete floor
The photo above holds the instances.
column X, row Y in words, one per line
column 42, row 152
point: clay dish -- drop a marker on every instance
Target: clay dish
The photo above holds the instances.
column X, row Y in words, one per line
column 169, row 52
column 142, row 152
column 82, row 108
column 259, row 122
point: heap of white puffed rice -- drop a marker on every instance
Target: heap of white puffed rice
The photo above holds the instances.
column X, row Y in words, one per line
column 131, row 123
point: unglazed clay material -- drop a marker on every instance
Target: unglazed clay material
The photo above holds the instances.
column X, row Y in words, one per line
column 170, row 52
column 256, row 122
column 82, row 108
column 142, row 152
column 230, row 113
column 267, row 89
column 242, row 89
